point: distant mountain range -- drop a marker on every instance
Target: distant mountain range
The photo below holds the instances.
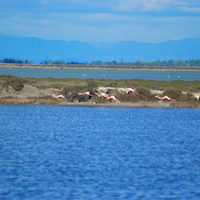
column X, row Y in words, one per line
column 38, row 50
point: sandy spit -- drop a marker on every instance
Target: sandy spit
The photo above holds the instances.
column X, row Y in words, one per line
column 31, row 95
column 99, row 67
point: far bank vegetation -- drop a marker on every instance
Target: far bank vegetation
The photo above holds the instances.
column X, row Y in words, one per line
column 113, row 64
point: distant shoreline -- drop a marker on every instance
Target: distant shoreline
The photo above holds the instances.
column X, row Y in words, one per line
column 8, row 65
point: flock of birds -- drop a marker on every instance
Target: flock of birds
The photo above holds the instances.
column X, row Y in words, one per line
column 112, row 97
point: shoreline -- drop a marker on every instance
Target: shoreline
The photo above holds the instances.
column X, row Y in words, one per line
column 141, row 104
column 38, row 66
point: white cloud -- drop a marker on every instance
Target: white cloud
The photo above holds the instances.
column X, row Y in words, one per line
column 190, row 9
column 142, row 5
column 154, row 5
column 94, row 27
column 100, row 6
column 104, row 24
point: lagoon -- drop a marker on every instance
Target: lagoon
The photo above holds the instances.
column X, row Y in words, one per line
column 160, row 75
column 65, row 152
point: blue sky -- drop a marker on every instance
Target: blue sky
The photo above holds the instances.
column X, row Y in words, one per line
column 151, row 21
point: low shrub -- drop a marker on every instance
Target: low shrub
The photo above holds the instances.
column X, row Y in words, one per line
column 91, row 83
column 131, row 97
column 131, row 83
column 173, row 93
column 72, row 93
column 83, row 98
column 178, row 96
column 16, row 83
column 110, row 83
column 143, row 91
column 144, row 94
column 109, row 91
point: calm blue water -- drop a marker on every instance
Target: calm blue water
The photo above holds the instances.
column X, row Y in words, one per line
column 102, row 73
column 64, row 152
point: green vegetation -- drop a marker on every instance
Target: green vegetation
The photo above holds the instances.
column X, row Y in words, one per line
column 168, row 63
column 113, row 64
column 188, row 86
column 15, row 82
column 10, row 60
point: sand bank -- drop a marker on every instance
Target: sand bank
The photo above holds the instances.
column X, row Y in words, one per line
column 36, row 95
column 167, row 68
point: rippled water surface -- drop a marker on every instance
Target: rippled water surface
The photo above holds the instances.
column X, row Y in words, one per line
column 64, row 152
column 102, row 73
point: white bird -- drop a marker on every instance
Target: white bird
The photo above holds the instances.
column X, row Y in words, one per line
column 114, row 98
column 59, row 97
column 102, row 95
column 129, row 90
column 197, row 97
column 165, row 98
column 88, row 93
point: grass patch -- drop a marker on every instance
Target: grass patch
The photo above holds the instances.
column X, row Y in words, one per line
column 190, row 86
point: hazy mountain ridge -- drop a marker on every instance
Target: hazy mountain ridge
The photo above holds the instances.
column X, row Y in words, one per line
column 38, row 50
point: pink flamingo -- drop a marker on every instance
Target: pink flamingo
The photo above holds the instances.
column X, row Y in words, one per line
column 88, row 93
column 131, row 90
column 102, row 95
column 114, row 98
column 59, row 97
column 165, row 98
